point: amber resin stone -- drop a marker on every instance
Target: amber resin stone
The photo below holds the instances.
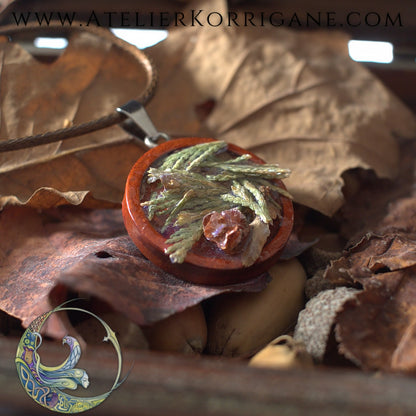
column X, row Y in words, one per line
column 228, row 229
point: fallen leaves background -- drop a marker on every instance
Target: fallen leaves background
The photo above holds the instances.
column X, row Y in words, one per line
column 293, row 98
column 376, row 329
column 90, row 79
column 87, row 252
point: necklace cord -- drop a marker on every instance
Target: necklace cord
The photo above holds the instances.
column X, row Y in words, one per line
column 106, row 121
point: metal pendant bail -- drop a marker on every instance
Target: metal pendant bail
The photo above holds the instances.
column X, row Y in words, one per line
column 140, row 125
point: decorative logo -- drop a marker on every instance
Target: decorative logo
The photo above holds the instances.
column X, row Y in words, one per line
column 44, row 384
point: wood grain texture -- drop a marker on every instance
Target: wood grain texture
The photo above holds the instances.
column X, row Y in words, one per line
column 175, row 385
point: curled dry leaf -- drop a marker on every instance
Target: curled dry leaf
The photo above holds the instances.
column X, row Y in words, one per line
column 377, row 205
column 385, row 212
column 4, row 4
column 88, row 252
column 293, row 98
column 400, row 218
column 90, row 79
column 367, row 260
column 294, row 247
column 376, row 330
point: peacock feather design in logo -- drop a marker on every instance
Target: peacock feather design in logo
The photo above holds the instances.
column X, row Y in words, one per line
column 45, row 384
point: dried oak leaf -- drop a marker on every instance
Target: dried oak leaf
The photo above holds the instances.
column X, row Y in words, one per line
column 90, row 79
column 293, row 98
column 4, row 4
column 294, row 247
column 376, row 330
column 371, row 257
column 380, row 205
column 400, row 218
column 87, row 251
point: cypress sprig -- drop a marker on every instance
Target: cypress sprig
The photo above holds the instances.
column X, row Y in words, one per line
column 178, row 208
column 205, row 152
column 157, row 205
column 242, row 196
column 193, row 155
column 261, row 202
column 231, row 171
column 182, row 179
column 182, row 241
column 273, row 187
column 196, row 182
column 221, row 165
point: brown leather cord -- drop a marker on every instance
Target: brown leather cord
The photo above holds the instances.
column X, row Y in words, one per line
column 93, row 125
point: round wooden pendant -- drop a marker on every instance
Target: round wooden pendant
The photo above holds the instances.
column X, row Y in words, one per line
column 205, row 263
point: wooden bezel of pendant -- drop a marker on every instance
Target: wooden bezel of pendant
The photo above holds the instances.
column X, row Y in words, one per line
column 205, row 263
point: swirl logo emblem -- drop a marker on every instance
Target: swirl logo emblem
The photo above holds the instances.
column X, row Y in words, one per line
column 44, row 384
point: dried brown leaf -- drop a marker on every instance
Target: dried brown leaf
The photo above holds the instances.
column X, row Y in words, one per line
column 89, row 252
column 293, row 98
column 4, row 4
column 380, row 206
column 376, row 330
column 90, row 79
column 294, row 247
column 372, row 256
column 93, row 178
column 400, row 218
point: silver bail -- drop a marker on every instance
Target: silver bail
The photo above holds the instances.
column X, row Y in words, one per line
column 139, row 124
